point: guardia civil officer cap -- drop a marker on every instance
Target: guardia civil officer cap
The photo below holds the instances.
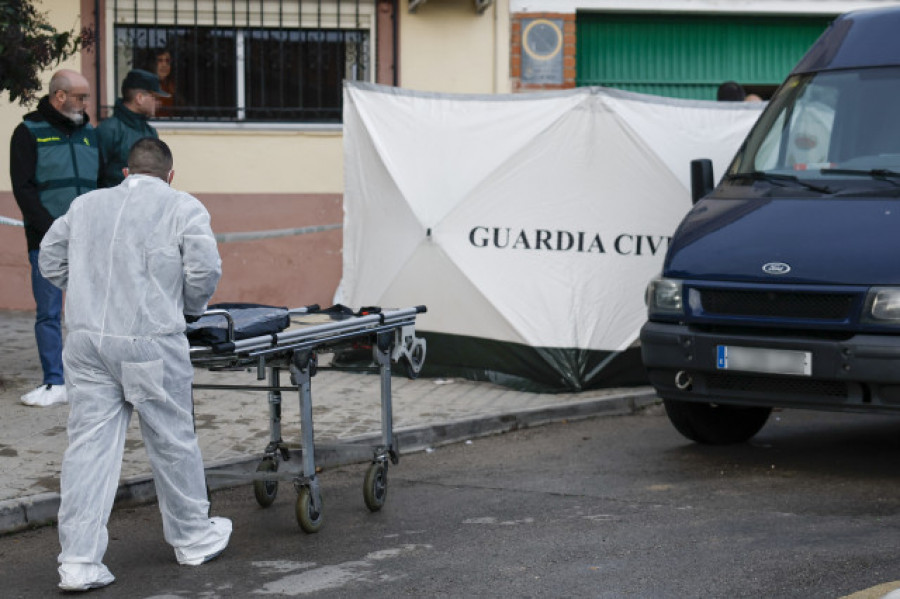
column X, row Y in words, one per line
column 145, row 80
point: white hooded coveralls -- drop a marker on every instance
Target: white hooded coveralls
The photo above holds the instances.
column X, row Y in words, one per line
column 134, row 259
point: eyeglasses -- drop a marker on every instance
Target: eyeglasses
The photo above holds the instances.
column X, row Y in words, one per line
column 79, row 97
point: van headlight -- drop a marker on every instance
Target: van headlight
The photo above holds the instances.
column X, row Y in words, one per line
column 664, row 297
column 882, row 305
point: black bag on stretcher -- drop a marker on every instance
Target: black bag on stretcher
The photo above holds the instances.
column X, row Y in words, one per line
column 250, row 320
column 254, row 320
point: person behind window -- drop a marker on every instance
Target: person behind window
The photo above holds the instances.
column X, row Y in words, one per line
column 163, row 70
column 140, row 93
column 136, row 260
column 730, row 91
column 53, row 159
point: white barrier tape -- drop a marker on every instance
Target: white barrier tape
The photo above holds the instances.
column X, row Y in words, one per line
column 253, row 235
column 229, row 237
column 11, row 221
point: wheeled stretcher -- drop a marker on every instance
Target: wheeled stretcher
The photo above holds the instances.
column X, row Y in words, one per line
column 275, row 339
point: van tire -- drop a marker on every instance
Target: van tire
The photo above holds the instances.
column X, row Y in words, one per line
column 714, row 424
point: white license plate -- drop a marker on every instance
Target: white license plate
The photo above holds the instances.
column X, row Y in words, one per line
column 758, row 359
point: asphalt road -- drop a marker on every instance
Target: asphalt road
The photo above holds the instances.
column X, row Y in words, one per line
column 610, row 507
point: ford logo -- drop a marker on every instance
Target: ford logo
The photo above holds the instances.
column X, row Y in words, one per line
column 776, row 268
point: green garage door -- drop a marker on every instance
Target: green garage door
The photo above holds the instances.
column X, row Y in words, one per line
column 688, row 56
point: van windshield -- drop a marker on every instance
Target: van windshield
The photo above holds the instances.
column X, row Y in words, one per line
column 827, row 126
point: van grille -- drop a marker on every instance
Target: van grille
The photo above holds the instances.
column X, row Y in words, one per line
column 773, row 304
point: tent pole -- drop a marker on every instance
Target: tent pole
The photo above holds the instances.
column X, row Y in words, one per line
column 601, row 365
column 395, row 25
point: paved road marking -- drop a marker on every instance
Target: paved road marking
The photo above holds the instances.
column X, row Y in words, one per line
column 312, row 579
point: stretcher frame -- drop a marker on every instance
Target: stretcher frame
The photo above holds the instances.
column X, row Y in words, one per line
column 393, row 340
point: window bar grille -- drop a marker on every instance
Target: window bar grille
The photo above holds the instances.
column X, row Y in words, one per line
column 113, row 82
column 133, row 42
column 341, row 41
column 196, row 61
column 325, row 52
column 281, row 36
column 175, row 53
column 156, row 39
column 241, row 98
column 196, row 50
column 255, row 41
column 303, row 53
column 357, row 63
column 241, row 66
column 235, row 36
column 319, row 35
column 215, row 73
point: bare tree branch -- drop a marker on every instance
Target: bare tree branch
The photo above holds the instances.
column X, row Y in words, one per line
column 28, row 45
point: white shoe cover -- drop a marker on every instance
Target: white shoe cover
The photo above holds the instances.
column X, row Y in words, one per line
column 209, row 548
column 84, row 577
column 45, row 395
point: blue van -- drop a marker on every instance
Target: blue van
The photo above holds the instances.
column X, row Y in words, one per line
column 781, row 286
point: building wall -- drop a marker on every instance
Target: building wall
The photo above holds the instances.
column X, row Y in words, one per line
column 15, row 281
column 261, row 180
column 265, row 180
column 446, row 46
column 796, row 7
column 570, row 15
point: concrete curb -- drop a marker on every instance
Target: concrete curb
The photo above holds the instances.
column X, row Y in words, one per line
column 40, row 510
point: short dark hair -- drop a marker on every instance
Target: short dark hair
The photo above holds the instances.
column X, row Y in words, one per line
column 150, row 156
column 129, row 94
column 730, row 91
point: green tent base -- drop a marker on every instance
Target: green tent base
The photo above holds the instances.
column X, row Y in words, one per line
column 518, row 366
column 526, row 368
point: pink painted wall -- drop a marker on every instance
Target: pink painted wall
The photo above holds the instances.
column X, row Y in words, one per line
column 15, row 272
column 286, row 271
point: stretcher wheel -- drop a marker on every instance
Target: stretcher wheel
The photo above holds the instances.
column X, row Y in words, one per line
column 309, row 519
column 266, row 490
column 375, row 486
column 411, row 373
column 414, row 359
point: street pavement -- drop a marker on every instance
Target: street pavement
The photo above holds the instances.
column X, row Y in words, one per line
column 233, row 426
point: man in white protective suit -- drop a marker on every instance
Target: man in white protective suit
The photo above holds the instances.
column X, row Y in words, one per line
column 136, row 261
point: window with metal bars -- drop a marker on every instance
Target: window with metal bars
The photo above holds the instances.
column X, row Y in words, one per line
column 246, row 61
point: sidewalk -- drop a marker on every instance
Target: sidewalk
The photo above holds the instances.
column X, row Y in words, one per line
column 233, row 426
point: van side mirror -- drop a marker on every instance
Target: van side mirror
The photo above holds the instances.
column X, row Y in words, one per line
column 701, row 178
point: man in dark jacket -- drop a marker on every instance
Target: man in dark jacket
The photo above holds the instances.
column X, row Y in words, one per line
column 53, row 158
column 140, row 90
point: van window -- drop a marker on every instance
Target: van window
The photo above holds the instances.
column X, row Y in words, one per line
column 830, row 120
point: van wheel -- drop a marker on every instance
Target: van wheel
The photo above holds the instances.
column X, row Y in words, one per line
column 713, row 424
